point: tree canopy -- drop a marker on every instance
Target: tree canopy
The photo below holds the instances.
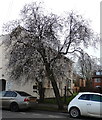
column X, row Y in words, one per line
column 43, row 39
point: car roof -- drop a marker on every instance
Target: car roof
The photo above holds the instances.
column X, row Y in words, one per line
column 90, row 93
column 13, row 91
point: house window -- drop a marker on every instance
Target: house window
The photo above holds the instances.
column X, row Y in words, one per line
column 48, row 83
column 97, row 73
column 60, row 85
column 97, row 80
column 34, row 86
column 69, row 84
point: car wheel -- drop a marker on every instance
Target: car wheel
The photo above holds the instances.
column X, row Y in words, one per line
column 74, row 112
column 14, row 107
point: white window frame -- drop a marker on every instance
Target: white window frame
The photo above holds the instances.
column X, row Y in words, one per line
column 97, row 80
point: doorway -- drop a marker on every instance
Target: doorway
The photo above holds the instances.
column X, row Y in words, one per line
column 2, row 84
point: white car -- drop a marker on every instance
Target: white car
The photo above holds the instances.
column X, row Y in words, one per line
column 86, row 104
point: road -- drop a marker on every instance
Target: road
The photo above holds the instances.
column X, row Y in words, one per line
column 35, row 114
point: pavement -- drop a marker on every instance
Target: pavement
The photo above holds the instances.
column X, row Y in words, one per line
column 49, row 107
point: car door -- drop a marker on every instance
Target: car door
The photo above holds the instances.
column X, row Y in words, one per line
column 95, row 105
column 83, row 101
column 1, row 97
column 9, row 96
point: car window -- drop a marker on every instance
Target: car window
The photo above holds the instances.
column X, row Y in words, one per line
column 85, row 97
column 2, row 93
column 23, row 93
column 10, row 94
column 97, row 98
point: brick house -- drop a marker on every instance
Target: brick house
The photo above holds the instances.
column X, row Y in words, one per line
column 97, row 79
column 79, row 82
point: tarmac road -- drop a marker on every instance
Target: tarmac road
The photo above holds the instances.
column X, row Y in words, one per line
column 36, row 114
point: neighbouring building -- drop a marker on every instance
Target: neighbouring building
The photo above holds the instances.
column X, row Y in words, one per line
column 95, row 83
column 2, row 66
column 97, row 79
column 79, row 82
column 30, row 87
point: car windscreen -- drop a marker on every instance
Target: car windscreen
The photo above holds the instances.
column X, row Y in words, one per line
column 23, row 93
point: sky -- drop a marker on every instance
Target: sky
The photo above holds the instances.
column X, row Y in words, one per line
column 89, row 9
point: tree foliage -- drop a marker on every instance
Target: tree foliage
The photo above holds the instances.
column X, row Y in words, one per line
column 86, row 65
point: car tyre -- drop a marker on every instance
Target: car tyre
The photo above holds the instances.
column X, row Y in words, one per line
column 74, row 112
column 14, row 107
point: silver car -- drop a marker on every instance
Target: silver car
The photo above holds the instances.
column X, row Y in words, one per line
column 15, row 100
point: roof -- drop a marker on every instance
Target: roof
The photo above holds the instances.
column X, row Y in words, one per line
column 97, row 76
column 90, row 93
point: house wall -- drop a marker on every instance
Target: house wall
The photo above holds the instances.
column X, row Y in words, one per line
column 3, row 76
column 82, row 83
column 96, row 83
column 28, row 87
column 0, row 61
column 97, row 79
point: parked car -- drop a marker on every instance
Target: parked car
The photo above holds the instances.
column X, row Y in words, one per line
column 15, row 100
column 86, row 104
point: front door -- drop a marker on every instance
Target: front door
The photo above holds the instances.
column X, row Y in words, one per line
column 2, row 84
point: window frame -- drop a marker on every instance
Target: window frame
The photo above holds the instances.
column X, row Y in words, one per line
column 98, row 73
column 97, row 80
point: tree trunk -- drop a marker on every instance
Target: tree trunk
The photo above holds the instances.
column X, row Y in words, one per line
column 54, row 85
column 51, row 77
column 41, row 92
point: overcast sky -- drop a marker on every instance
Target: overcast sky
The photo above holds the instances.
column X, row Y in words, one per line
column 89, row 9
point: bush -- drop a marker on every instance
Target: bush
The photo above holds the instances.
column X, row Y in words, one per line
column 50, row 100
column 70, row 98
column 53, row 100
